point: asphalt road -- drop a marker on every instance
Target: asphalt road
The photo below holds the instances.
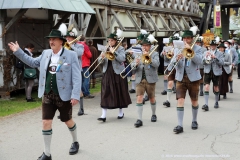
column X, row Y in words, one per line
column 218, row 136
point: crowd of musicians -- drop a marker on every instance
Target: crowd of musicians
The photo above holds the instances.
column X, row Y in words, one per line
column 190, row 65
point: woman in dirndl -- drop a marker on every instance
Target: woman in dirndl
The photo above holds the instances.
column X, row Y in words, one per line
column 114, row 89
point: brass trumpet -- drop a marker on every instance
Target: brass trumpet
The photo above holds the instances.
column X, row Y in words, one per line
column 146, row 58
column 170, row 54
column 67, row 45
column 133, row 67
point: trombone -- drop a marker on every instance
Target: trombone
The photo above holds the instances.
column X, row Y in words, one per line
column 67, row 45
column 187, row 53
column 146, row 58
column 94, row 63
column 133, row 67
column 109, row 55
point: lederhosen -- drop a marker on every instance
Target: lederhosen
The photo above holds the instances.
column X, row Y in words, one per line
column 51, row 99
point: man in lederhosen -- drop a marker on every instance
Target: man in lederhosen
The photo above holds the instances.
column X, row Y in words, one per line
column 79, row 49
column 146, row 78
column 170, row 78
column 212, row 61
column 59, row 84
column 199, row 43
column 188, row 76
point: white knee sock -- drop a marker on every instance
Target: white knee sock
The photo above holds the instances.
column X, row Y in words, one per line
column 104, row 113
column 133, row 84
column 47, row 137
column 120, row 113
column 73, row 132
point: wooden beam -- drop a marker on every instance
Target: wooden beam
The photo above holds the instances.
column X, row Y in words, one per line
column 19, row 15
column 185, row 22
column 62, row 20
column 100, row 22
column 86, row 23
column 174, row 23
column 165, row 25
column 118, row 21
column 152, row 21
column 134, row 22
column 146, row 21
column 94, row 30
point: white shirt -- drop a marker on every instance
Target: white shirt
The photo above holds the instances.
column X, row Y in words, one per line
column 55, row 57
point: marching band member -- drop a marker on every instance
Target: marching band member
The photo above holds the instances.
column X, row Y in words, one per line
column 78, row 48
column 59, row 85
column 223, row 81
column 234, row 57
column 199, row 43
column 212, row 61
column 171, row 77
column 114, row 90
column 188, row 76
column 146, row 78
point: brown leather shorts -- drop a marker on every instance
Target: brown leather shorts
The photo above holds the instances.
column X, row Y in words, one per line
column 186, row 85
column 52, row 102
column 145, row 86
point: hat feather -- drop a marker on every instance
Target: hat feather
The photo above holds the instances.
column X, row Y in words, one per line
column 74, row 30
column 151, row 38
column 194, row 30
column 176, row 35
column 143, row 31
column 119, row 33
column 217, row 39
column 63, row 29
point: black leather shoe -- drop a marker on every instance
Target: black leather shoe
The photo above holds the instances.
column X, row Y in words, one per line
column 143, row 101
column 132, row 91
column 216, row 105
column 102, row 119
column 238, row 78
column 81, row 112
column 164, row 92
column 146, row 98
column 201, row 93
column 178, row 129
column 173, row 90
column 31, row 100
column 231, row 91
column 89, row 96
column 224, row 96
column 205, row 107
column 153, row 118
column 194, row 125
column 138, row 123
column 167, row 104
column 44, row 157
column 74, row 148
column 121, row 117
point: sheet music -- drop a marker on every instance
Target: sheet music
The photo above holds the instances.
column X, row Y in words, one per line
column 133, row 41
column 178, row 44
column 101, row 47
column 165, row 40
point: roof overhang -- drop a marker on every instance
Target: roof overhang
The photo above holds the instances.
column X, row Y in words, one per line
column 75, row 6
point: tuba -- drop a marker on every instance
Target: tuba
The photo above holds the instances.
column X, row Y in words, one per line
column 67, row 45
